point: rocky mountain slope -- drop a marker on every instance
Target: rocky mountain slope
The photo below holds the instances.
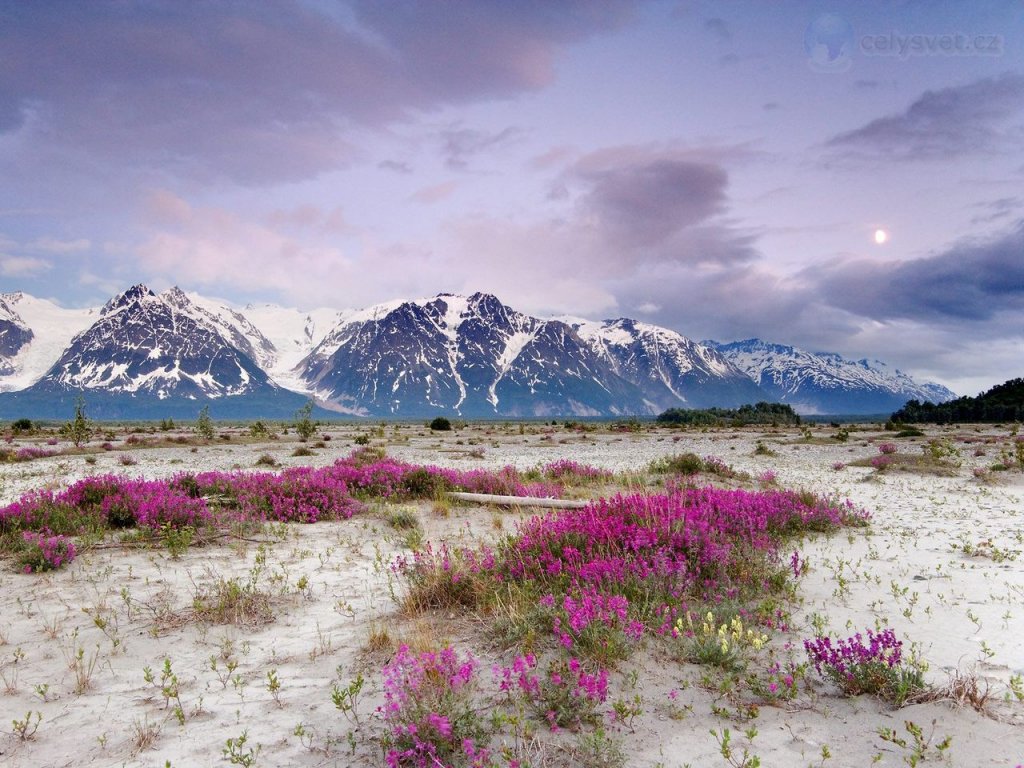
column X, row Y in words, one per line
column 824, row 382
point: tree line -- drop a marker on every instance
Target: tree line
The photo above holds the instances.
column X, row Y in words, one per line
column 1004, row 402
column 759, row 413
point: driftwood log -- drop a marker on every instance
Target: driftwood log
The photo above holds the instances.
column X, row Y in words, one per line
column 518, row 501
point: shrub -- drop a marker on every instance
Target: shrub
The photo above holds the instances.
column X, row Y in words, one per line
column 79, row 429
column 567, row 694
column 305, row 427
column 429, row 711
column 441, row 424
column 21, row 425
column 43, row 552
column 887, row 449
column 682, row 464
column 876, row 667
column 204, row 424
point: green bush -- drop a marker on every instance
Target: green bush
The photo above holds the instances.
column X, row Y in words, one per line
column 441, row 424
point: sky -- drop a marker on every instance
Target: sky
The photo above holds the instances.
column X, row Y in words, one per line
column 839, row 176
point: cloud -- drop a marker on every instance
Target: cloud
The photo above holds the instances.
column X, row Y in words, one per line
column 994, row 210
column 435, row 192
column 57, row 246
column 959, row 120
column 309, row 218
column 459, row 145
column 266, row 92
column 396, row 166
column 972, row 281
column 23, row 266
column 629, row 213
column 212, row 247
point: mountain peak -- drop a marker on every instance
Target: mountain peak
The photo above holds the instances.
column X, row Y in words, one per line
column 136, row 293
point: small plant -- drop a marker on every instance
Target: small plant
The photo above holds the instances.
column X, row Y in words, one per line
column 743, row 760
column 26, row 729
column 236, row 753
column 724, row 645
column 266, row 460
column 259, row 429
column 177, row 539
column 920, row 747
column 440, row 424
column 599, row 750
column 305, row 427
column 302, row 451
column 274, row 685
column 567, row 694
column 347, row 699
column 127, row 460
column 625, row 711
column 682, row 464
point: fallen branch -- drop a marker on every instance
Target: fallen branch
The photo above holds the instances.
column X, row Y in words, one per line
column 518, row 501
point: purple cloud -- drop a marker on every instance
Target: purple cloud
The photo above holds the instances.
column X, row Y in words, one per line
column 951, row 121
column 972, row 281
column 263, row 92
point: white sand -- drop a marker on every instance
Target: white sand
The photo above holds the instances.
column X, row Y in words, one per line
column 908, row 571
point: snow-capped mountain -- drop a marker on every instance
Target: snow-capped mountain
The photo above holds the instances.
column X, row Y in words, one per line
column 148, row 355
column 825, row 382
column 146, row 351
column 673, row 371
column 470, row 355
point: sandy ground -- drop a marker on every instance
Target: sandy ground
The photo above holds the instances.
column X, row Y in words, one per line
column 941, row 564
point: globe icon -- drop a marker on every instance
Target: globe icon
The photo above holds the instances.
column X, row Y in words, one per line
column 829, row 43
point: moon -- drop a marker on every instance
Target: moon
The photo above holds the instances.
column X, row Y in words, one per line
column 881, row 236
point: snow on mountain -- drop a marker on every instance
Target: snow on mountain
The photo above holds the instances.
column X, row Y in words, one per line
column 159, row 344
column 293, row 334
column 470, row 355
column 231, row 324
column 33, row 334
column 825, row 382
column 673, row 370
column 477, row 356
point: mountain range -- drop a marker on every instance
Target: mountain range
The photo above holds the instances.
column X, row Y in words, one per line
column 150, row 355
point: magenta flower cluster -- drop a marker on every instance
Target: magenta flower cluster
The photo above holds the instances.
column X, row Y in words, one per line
column 583, row 618
column 299, row 494
column 567, row 469
column 428, row 710
column 45, row 552
column 566, row 694
column 887, row 449
column 856, row 665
